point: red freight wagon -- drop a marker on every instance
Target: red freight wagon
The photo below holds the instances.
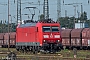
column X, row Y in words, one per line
column 85, row 38
column 37, row 36
column 78, row 38
column 88, row 37
column 12, row 35
column 12, row 39
column 6, row 38
column 76, row 35
column 1, row 39
column 9, row 37
column 66, row 37
column 1, row 36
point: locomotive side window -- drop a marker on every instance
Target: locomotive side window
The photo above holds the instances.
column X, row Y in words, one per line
column 55, row 29
column 37, row 29
column 46, row 28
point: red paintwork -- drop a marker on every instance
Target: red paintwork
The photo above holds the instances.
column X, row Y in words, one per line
column 30, row 34
column 40, row 34
column 26, row 34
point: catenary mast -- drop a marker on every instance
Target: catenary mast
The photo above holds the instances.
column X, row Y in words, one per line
column 19, row 11
column 58, row 9
column 46, row 9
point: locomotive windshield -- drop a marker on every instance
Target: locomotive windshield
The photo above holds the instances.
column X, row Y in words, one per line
column 55, row 29
column 49, row 29
column 46, row 28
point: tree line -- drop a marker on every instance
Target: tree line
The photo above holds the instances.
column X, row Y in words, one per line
column 69, row 22
column 4, row 27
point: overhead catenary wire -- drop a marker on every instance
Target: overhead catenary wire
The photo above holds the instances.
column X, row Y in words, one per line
column 35, row 3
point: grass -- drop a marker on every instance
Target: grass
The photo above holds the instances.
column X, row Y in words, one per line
column 80, row 53
column 6, row 49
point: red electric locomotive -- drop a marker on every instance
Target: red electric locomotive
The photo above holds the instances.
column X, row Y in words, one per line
column 39, row 36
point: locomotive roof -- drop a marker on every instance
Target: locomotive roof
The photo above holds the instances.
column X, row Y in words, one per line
column 28, row 24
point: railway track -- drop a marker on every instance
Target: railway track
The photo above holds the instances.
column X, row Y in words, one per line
column 42, row 55
column 25, row 54
column 64, row 54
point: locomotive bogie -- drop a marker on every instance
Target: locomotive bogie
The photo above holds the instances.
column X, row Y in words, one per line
column 51, row 47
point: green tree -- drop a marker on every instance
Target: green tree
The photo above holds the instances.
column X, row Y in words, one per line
column 41, row 16
column 63, row 22
column 4, row 27
column 67, row 22
column 83, row 16
column 1, row 22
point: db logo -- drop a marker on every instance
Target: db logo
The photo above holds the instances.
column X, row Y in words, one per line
column 51, row 36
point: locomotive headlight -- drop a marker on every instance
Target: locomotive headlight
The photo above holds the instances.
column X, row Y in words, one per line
column 44, row 40
column 46, row 36
column 58, row 40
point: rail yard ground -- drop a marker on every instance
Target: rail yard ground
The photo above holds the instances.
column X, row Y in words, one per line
column 63, row 55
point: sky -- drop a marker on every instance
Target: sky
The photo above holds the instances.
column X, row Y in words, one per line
column 34, row 3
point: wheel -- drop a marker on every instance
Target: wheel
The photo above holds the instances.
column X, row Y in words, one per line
column 17, row 48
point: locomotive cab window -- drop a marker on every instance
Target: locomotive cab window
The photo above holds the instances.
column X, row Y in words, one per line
column 46, row 28
column 55, row 29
